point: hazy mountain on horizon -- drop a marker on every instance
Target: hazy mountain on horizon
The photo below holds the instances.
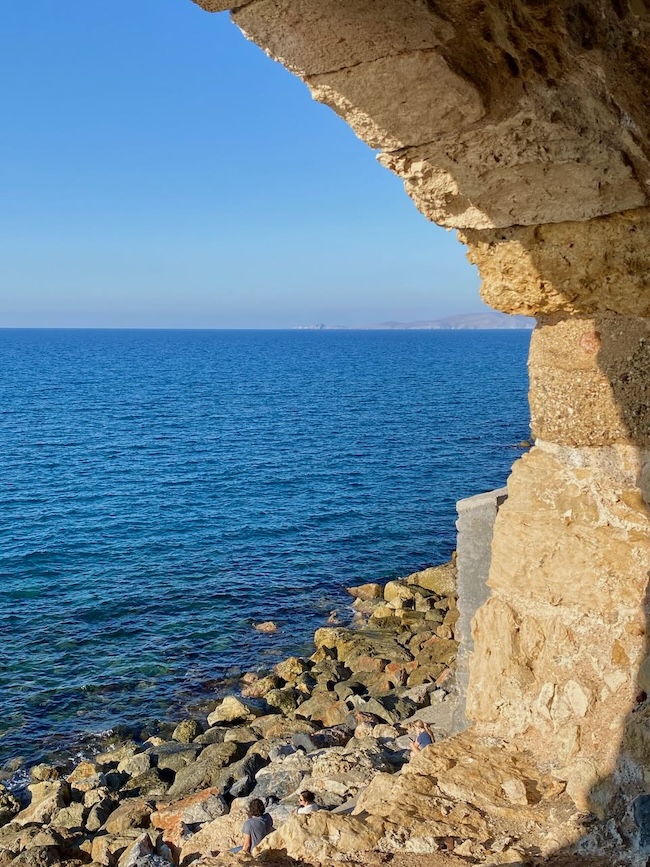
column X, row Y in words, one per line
column 489, row 319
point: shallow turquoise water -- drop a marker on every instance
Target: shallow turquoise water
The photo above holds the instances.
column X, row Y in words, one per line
column 163, row 490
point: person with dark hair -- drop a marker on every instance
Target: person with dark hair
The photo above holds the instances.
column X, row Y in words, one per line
column 257, row 826
column 307, row 802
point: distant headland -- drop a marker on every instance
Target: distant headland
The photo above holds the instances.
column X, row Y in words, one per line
column 458, row 322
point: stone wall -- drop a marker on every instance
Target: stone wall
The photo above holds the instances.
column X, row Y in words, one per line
column 527, row 126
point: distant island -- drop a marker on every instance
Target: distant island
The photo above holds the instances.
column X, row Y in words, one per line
column 459, row 322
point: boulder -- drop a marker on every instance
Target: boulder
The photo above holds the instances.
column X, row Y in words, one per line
column 220, row 755
column 173, row 756
column 233, row 709
column 438, row 579
column 279, row 782
column 117, row 754
column 187, row 730
column 99, row 810
column 135, row 765
column 173, row 819
column 306, row 683
column 275, row 727
column 244, row 735
column 285, row 700
column 200, row 775
column 437, row 650
column 325, row 708
column 213, row 735
column 72, row 817
column 330, row 670
column 38, row 856
column 290, row 669
column 398, row 591
column 425, row 674
column 86, row 776
column 41, row 773
column 147, row 785
column 47, row 799
column 259, row 687
column 130, row 814
column 366, row 591
column 214, row 837
column 266, row 626
column 322, row 837
column 9, row 806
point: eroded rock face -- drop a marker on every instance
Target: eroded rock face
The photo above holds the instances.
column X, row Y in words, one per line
column 527, row 126
column 493, row 115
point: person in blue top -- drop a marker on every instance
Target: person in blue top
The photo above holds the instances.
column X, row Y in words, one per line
column 257, row 826
column 422, row 737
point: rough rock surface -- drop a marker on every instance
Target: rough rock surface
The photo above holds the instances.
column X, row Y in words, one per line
column 527, row 126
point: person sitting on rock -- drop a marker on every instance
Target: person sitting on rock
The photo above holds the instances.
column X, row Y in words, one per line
column 257, row 826
column 423, row 737
column 307, row 803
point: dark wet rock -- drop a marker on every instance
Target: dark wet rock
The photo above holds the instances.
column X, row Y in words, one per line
column 173, row 756
column 187, row 730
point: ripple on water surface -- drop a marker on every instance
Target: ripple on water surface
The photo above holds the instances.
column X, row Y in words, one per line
column 162, row 491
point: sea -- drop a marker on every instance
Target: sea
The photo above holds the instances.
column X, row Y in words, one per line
column 163, row 491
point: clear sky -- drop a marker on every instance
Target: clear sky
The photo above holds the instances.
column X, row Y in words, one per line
column 158, row 170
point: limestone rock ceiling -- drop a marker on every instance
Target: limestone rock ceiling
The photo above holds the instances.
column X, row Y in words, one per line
column 494, row 113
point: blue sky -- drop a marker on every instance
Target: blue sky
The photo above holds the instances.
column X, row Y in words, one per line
column 158, row 170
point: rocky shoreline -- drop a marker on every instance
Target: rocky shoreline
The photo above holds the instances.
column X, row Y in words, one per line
column 330, row 723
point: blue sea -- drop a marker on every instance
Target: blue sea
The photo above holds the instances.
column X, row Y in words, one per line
column 161, row 491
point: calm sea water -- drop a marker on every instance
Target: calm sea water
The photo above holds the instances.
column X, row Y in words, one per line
column 163, row 490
